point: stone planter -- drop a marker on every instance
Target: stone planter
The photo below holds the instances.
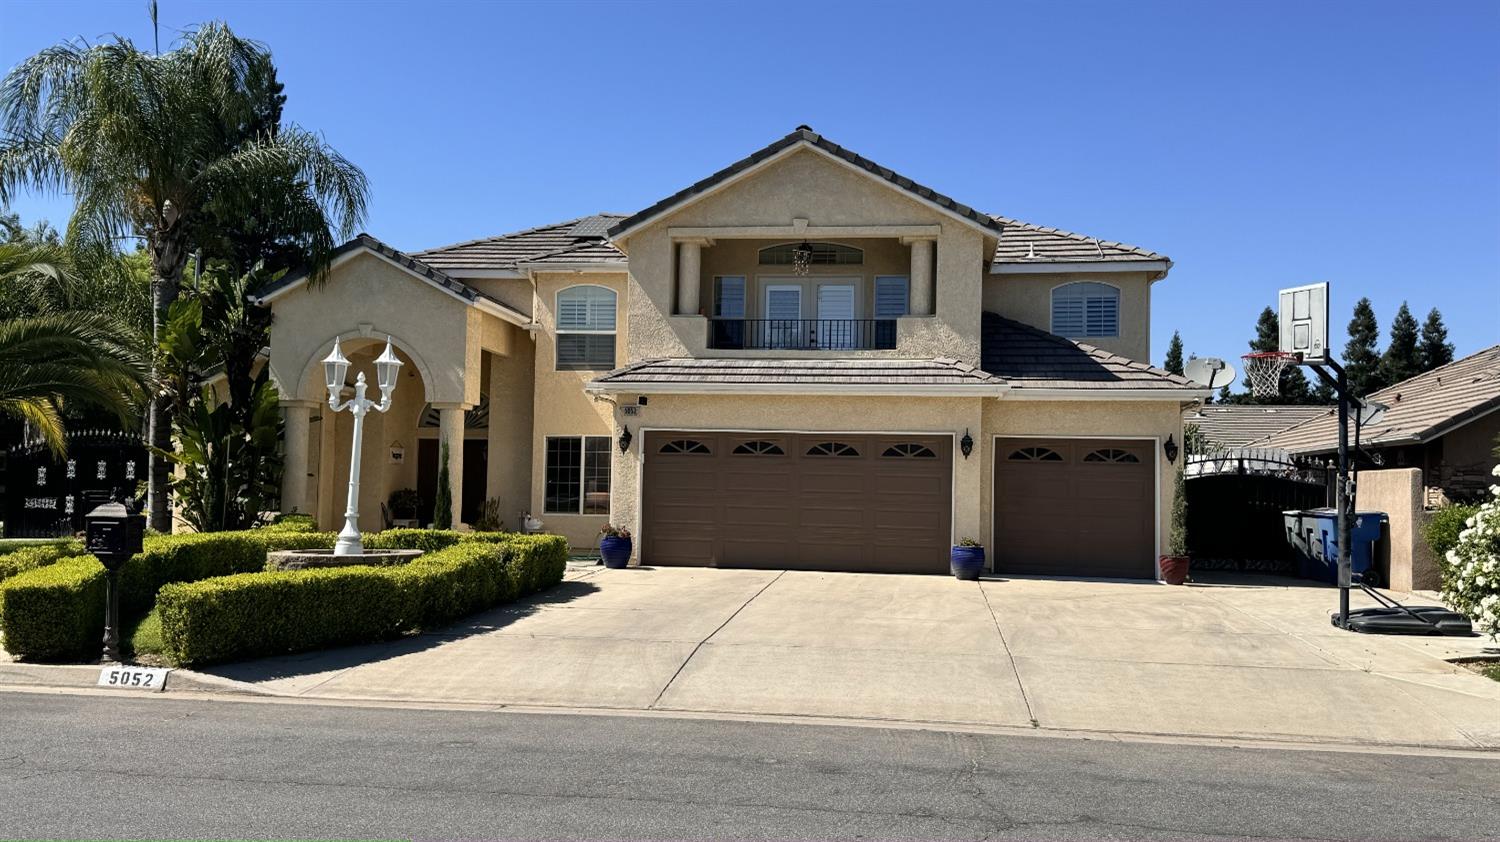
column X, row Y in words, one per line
column 309, row 559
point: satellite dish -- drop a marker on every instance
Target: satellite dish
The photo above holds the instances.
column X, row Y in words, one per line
column 1371, row 412
column 1209, row 371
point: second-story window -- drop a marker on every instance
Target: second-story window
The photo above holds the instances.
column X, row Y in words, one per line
column 891, row 294
column 729, row 297
column 586, row 329
column 1084, row 309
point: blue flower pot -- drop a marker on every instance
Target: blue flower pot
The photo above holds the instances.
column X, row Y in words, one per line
column 615, row 551
column 966, row 562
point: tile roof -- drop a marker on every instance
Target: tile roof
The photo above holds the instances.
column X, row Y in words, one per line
column 804, row 134
column 1030, row 358
column 1421, row 408
column 427, row 272
column 1230, row 425
column 543, row 243
column 836, row 372
column 1023, row 242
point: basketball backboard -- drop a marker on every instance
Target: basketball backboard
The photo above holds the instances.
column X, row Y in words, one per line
column 1303, row 313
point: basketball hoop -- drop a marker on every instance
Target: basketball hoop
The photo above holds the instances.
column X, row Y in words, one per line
column 1264, row 368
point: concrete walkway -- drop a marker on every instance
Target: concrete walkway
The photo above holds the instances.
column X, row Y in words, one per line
column 1255, row 661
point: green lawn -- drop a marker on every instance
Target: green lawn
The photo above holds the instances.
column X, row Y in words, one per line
column 145, row 638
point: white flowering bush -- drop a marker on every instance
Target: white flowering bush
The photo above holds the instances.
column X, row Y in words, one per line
column 1472, row 580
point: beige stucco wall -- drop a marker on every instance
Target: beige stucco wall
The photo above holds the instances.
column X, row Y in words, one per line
column 814, row 413
column 806, row 185
column 515, row 292
column 561, row 407
column 1083, row 419
column 1405, row 561
column 1028, row 299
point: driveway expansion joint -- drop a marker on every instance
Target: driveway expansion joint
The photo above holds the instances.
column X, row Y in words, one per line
column 727, row 620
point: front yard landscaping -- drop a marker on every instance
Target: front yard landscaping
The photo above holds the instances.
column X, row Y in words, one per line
column 204, row 597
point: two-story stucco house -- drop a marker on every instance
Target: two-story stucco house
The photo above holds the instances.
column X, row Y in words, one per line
column 804, row 360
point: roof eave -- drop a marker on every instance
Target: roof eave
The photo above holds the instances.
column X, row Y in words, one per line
column 966, row 390
column 1052, row 267
column 1023, row 392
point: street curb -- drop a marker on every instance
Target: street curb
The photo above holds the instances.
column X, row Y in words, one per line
column 86, row 677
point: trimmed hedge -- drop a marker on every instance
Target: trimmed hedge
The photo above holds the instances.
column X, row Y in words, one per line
column 57, row 611
column 270, row 613
column 26, row 558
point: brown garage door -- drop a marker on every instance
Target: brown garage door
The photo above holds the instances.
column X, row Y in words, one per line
column 805, row 502
column 1075, row 507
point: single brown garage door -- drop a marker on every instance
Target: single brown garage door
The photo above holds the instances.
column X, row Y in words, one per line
column 1075, row 507
column 804, row 502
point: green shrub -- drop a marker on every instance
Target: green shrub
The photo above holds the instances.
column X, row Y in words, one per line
column 10, row 545
column 426, row 540
column 36, row 555
column 270, row 613
column 57, row 611
column 292, row 522
column 145, row 638
column 1443, row 527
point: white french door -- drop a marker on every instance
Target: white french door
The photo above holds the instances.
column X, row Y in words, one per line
column 783, row 316
column 836, row 325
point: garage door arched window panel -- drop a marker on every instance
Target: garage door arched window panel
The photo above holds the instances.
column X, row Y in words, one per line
column 1084, row 309
column 691, row 447
column 832, row 448
column 1035, row 454
column 909, row 450
column 1107, row 455
column 586, row 328
column 758, row 448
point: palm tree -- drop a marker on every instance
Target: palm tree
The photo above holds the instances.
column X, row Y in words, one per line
column 148, row 144
column 52, row 356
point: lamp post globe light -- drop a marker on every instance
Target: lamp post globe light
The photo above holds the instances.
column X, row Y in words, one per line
column 335, row 368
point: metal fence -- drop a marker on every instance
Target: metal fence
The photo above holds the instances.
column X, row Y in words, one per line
column 803, row 334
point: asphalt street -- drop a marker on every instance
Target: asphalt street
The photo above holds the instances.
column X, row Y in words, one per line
column 85, row 766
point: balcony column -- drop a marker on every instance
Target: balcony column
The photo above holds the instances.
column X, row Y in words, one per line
column 298, row 415
column 690, row 275
column 923, row 296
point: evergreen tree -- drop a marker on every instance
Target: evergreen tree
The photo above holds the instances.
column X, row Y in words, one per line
column 1224, row 396
column 1173, row 363
column 1293, row 388
column 442, row 504
column 1434, row 349
column 1402, row 360
column 1362, row 352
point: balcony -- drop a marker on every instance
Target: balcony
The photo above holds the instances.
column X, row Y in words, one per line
column 802, row 334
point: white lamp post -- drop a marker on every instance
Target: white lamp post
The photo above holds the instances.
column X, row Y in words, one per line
column 335, row 367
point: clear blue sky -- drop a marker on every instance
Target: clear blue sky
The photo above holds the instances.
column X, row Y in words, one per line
column 1259, row 144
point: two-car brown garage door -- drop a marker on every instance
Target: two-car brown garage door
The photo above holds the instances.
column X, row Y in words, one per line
column 879, row 503
column 1075, row 507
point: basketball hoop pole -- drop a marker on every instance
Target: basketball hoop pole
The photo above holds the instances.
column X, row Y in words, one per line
column 1339, row 380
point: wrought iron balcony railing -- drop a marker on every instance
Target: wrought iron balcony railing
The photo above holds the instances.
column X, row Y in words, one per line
column 802, row 334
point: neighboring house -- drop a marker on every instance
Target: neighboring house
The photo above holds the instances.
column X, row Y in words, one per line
column 804, row 360
column 1226, row 426
column 1445, row 422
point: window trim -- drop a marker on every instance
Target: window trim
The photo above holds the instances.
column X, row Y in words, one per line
column 583, row 458
column 1052, row 310
column 560, row 331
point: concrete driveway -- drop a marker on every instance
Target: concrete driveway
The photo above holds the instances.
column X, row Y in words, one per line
column 1224, row 660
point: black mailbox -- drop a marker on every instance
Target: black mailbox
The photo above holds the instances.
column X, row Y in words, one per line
column 115, row 533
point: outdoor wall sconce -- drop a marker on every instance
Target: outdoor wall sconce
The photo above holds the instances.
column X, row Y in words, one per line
column 1169, row 447
column 625, row 439
column 966, row 444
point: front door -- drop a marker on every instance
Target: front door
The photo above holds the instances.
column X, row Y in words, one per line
column 783, row 316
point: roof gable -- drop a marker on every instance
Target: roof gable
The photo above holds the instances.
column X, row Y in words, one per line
column 804, row 137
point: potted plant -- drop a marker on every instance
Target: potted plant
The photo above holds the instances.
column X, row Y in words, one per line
column 404, row 503
column 966, row 561
column 615, row 546
column 1174, row 565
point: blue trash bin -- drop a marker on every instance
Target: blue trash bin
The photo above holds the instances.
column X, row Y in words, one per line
column 1323, row 543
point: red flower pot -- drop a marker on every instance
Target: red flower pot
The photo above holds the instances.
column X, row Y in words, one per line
column 1174, row 569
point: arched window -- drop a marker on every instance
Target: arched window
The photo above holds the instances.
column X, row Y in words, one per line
column 909, row 450
column 759, row 448
column 689, row 446
column 1112, row 454
column 832, row 448
column 1084, row 309
column 586, row 329
column 1035, row 454
column 823, row 254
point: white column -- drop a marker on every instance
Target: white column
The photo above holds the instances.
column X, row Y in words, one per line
column 451, row 430
column 298, row 416
column 923, row 296
column 689, row 276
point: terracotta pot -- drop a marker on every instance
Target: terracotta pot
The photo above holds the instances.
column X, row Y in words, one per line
column 1174, row 569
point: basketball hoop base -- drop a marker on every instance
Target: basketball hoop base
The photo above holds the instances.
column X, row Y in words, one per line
column 1263, row 370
